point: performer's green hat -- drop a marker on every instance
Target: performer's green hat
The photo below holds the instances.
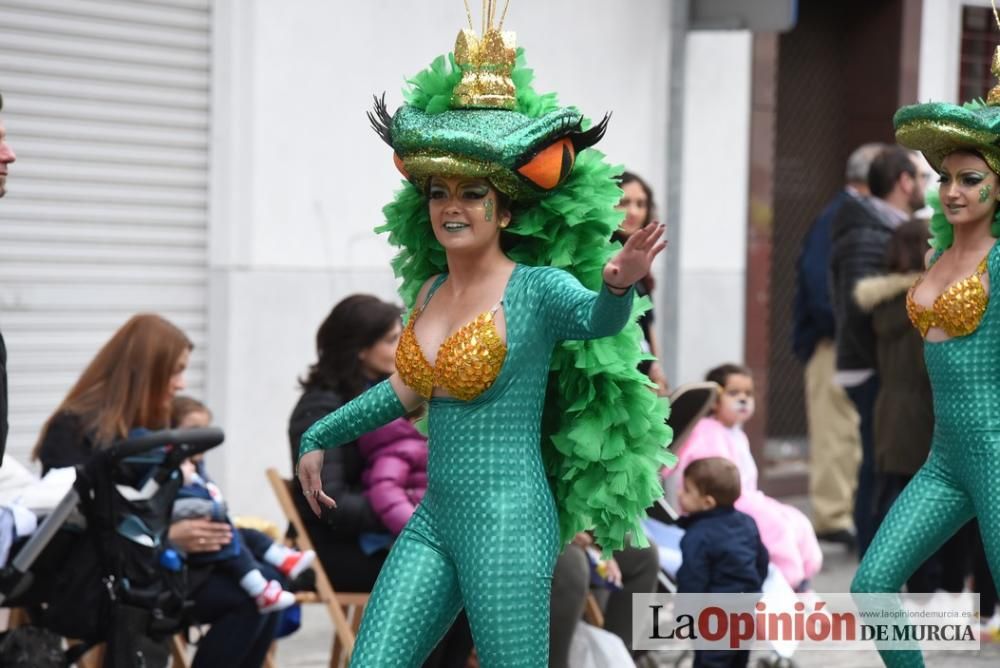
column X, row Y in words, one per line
column 939, row 128
column 478, row 122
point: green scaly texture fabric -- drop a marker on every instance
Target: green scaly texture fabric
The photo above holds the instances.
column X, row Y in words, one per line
column 604, row 433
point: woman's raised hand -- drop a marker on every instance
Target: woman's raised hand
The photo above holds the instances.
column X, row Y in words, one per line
column 310, row 469
column 633, row 261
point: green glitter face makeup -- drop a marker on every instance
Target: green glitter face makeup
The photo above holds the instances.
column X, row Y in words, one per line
column 984, row 193
column 489, row 210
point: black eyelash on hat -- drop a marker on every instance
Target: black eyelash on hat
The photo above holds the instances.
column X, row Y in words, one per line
column 582, row 140
column 381, row 120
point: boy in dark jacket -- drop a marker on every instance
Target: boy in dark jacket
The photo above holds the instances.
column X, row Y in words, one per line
column 721, row 549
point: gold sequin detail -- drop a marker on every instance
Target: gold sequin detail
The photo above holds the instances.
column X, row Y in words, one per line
column 937, row 137
column 486, row 65
column 957, row 311
column 468, row 362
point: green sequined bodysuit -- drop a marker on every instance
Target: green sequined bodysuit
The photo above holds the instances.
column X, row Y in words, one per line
column 961, row 478
column 486, row 535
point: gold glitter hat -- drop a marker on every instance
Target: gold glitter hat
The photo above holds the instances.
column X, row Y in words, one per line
column 939, row 128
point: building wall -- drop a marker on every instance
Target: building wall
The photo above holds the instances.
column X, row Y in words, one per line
column 299, row 178
column 714, row 178
column 940, row 49
column 107, row 106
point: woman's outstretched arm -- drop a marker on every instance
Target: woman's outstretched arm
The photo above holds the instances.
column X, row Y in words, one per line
column 377, row 406
column 575, row 313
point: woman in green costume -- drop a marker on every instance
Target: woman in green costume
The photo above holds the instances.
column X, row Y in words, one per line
column 952, row 307
column 540, row 426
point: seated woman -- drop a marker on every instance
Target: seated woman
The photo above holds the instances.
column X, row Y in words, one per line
column 355, row 347
column 631, row 570
column 129, row 385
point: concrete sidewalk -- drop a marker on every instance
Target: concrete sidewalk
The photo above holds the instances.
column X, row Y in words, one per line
column 310, row 647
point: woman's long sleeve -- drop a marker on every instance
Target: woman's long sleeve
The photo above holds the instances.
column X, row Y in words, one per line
column 376, row 407
column 575, row 313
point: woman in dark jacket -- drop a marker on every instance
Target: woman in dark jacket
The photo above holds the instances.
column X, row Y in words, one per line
column 356, row 348
column 904, row 413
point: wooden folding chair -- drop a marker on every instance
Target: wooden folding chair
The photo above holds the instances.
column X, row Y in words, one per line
column 592, row 612
column 345, row 609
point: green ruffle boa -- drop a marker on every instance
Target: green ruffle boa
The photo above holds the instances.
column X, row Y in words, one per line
column 604, row 435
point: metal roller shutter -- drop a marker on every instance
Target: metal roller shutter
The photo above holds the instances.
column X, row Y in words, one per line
column 107, row 106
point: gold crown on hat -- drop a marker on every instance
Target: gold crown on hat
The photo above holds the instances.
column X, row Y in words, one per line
column 486, row 63
column 993, row 99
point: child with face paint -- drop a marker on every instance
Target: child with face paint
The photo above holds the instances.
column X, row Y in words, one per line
column 786, row 532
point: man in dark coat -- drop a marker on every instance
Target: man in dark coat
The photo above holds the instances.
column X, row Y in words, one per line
column 860, row 236
column 6, row 158
column 834, row 437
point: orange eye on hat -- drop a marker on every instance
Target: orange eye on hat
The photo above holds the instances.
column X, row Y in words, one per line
column 396, row 160
column 551, row 165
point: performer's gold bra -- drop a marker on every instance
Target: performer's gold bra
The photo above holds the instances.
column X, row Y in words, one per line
column 957, row 311
column 467, row 363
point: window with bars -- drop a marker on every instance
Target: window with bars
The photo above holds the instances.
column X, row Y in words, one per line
column 980, row 37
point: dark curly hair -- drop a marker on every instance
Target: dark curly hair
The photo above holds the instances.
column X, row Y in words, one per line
column 356, row 323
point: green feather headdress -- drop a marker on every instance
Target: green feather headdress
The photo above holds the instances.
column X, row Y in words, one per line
column 604, row 433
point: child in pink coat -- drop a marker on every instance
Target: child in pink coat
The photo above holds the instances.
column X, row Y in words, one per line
column 786, row 532
column 395, row 476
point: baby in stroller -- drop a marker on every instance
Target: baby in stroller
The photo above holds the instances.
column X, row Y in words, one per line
column 200, row 497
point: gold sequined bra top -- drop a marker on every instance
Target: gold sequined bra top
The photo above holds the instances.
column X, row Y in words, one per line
column 467, row 363
column 957, row 311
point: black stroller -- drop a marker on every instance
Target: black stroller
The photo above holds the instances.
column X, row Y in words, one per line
column 115, row 580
